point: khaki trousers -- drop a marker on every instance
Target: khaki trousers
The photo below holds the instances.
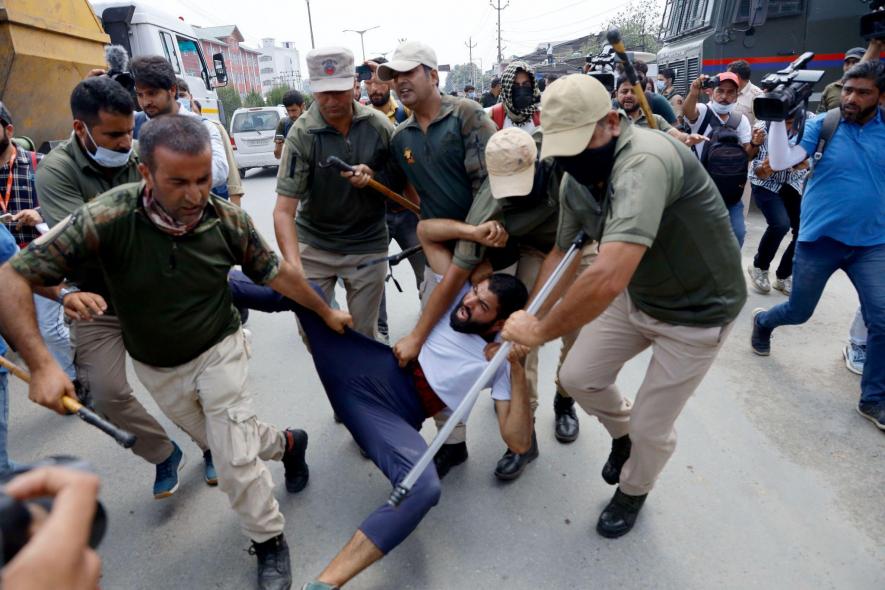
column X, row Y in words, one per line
column 100, row 360
column 364, row 287
column 681, row 356
column 208, row 398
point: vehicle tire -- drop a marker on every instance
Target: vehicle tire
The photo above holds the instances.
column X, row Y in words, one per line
column 242, row 173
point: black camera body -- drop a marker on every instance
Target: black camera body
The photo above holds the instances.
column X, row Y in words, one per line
column 16, row 516
column 786, row 91
column 872, row 24
column 602, row 67
column 710, row 83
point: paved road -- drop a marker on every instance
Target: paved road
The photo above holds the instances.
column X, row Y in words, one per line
column 776, row 482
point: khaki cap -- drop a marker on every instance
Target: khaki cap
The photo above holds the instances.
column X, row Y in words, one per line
column 407, row 57
column 330, row 69
column 510, row 160
column 570, row 109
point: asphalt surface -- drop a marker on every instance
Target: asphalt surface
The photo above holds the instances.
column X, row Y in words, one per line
column 776, row 481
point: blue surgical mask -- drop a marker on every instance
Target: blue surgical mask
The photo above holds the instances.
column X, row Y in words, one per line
column 721, row 109
column 185, row 104
column 107, row 158
column 660, row 85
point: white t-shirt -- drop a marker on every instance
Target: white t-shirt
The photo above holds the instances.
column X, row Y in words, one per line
column 528, row 125
column 452, row 361
column 745, row 133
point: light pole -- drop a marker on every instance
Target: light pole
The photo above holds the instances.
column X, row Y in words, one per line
column 310, row 23
column 361, row 33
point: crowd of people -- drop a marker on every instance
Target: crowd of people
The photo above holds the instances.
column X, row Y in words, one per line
column 117, row 247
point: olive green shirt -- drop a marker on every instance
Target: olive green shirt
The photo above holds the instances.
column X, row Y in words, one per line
column 831, row 97
column 170, row 293
column 333, row 215
column 67, row 179
column 529, row 219
column 446, row 165
column 661, row 122
column 662, row 198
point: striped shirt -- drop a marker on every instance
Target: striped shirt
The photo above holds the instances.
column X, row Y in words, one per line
column 23, row 193
column 774, row 183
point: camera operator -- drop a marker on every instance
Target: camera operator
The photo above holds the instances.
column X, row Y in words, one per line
column 718, row 121
column 57, row 555
column 842, row 221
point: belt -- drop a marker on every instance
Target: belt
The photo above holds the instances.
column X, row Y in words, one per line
column 429, row 400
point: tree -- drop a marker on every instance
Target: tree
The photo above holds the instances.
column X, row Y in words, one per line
column 253, row 99
column 464, row 74
column 639, row 23
column 230, row 101
column 275, row 95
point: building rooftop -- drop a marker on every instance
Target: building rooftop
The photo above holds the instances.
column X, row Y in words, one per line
column 221, row 32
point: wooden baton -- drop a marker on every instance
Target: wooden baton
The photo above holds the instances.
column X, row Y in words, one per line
column 336, row 162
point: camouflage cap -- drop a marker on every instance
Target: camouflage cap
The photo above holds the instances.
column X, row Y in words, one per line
column 330, row 69
column 4, row 114
column 408, row 56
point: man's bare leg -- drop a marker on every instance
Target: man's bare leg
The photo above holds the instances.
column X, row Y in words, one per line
column 357, row 555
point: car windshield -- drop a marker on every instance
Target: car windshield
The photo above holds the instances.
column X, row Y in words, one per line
column 256, row 121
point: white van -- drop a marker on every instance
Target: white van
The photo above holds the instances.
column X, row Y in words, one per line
column 144, row 30
column 252, row 132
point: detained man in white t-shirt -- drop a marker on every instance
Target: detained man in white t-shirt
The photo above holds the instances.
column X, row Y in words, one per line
column 383, row 405
column 723, row 101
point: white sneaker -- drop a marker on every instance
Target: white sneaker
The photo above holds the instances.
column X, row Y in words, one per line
column 785, row 286
column 855, row 356
column 759, row 278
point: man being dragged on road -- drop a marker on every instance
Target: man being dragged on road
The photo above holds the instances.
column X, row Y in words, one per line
column 384, row 405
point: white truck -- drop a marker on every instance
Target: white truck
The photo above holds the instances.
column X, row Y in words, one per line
column 144, row 30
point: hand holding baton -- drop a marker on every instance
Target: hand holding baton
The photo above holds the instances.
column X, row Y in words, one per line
column 402, row 489
column 614, row 39
column 338, row 163
column 124, row 438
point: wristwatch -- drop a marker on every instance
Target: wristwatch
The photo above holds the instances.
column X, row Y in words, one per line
column 65, row 291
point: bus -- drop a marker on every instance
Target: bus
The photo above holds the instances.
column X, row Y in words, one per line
column 704, row 36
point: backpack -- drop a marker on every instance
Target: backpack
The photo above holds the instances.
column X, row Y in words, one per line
column 724, row 157
column 498, row 115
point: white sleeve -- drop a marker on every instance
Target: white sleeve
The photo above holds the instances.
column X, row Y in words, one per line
column 702, row 112
column 220, row 168
column 782, row 155
column 744, row 132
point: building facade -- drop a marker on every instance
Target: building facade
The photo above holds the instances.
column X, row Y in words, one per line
column 279, row 65
column 243, row 66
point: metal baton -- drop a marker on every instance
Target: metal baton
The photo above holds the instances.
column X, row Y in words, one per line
column 402, row 489
column 124, row 439
column 393, row 259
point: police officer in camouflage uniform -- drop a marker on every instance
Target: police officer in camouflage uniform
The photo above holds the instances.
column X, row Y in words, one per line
column 441, row 149
column 166, row 246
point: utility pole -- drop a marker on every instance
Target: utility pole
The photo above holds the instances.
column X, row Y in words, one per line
column 310, row 23
column 361, row 33
column 499, row 8
column 470, row 45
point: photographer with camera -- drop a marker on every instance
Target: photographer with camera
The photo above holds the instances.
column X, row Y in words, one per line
column 731, row 144
column 842, row 221
column 57, row 555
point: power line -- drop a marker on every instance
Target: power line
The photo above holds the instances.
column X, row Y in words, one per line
column 499, row 9
column 537, row 16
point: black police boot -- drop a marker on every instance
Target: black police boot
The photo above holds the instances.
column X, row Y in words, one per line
column 511, row 465
column 448, row 456
column 620, row 515
column 567, row 426
column 274, row 568
column 294, row 464
column 611, row 471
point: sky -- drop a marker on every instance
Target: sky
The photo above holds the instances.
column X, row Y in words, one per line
column 524, row 23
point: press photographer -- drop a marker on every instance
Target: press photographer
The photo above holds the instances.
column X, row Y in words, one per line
column 50, row 523
column 842, row 222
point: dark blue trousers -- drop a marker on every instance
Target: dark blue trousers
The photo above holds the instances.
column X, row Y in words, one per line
column 374, row 398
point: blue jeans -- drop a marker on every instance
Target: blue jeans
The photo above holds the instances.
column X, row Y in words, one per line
column 813, row 265
column 5, row 465
column 738, row 225
column 781, row 211
column 50, row 319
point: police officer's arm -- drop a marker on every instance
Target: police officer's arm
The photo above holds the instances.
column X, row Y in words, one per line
column 291, row 282
column 293, row 179
column 476, row 130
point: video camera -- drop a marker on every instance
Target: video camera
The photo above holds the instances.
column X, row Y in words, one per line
column 16, row 516
column 118, row 67
column 602, row 67
column 872, row 24
column 786, row 92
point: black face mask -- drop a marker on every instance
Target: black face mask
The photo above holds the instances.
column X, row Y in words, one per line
column 592, row 166
column 522, row 97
